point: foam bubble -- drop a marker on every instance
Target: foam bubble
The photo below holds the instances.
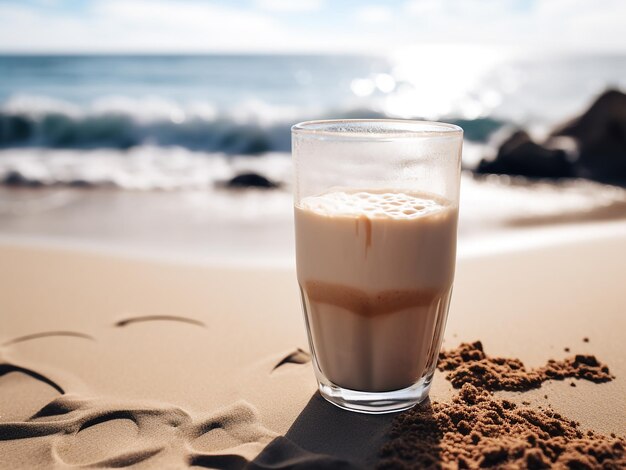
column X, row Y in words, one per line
column 374, row 205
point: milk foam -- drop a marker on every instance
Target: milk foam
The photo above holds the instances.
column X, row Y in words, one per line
column 383, row 205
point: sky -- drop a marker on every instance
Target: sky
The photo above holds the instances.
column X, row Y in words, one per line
column 309, row 26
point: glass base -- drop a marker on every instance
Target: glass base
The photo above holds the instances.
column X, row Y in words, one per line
column 376, row 402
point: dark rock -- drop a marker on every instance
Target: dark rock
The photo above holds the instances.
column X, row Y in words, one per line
column 251, row 180
column 520, row 155
column 601, row 135
column 79, row 183
column 15, row 178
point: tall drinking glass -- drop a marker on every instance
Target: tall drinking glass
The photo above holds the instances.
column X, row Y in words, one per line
column 376, row 208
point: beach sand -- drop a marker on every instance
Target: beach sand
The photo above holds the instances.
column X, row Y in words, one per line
column 110, row 361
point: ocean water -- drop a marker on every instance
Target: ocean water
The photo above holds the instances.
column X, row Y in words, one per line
column 154, row 122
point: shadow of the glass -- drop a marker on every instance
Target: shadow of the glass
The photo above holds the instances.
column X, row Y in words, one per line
column 324, row 436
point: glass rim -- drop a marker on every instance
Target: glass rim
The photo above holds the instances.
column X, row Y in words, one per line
column 395, row 129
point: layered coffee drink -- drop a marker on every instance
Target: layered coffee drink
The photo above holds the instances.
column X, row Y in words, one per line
column 375, row 270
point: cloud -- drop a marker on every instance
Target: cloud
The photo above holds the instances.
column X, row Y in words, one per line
column 183, row 16
column 268, row 26
column 423, row 7
column 374, row 14
column 138, row 25
column 571, row 25
column 168, row 26
column 289, row 5
column 462, row 8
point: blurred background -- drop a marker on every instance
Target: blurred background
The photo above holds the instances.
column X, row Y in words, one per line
column 163, row 127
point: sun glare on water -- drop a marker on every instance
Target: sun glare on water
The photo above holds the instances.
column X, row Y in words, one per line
column 438, row 80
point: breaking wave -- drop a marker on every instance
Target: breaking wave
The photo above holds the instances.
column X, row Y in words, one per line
column 122, row 123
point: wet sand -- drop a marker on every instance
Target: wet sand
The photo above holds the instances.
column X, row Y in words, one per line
column 215, row 225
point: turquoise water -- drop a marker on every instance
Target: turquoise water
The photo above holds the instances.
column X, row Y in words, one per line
column 220, row 80
column 246, row 104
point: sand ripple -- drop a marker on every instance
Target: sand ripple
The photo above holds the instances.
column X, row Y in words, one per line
column 46, row 334
column 110, row 434
column 8, row 368
column 297, row 357
column 151, row 318
column 60, row 426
